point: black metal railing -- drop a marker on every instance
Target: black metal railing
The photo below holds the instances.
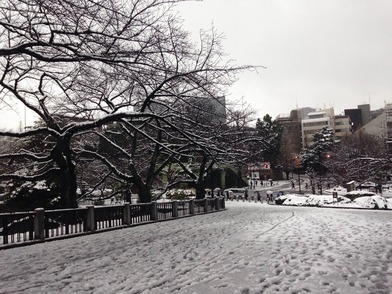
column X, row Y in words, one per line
column 17, row 227
column 165, row 210
column 140, row 213
column 39, row 225
column 108, row 217
column 65, row 222
column 199, row 205
column 183, row 208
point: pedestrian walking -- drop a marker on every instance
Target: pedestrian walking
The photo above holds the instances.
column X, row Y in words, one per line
column 127, row 194
column 259, row 197
column 269, row 196
column 334, row 196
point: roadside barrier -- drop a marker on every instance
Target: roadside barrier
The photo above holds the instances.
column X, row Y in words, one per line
column 24, row 228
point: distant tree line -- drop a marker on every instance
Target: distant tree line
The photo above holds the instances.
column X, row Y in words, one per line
column 356, row 157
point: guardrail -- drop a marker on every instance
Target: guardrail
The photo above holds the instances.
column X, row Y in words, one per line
column 40, row 225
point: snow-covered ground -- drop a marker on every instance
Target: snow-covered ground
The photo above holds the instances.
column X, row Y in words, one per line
column 369, row 202
column 249, row 248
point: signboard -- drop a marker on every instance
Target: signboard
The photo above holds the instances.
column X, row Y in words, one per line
column 261, row 166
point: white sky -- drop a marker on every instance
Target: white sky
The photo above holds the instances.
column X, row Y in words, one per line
column 249, row 248
column 318, row 53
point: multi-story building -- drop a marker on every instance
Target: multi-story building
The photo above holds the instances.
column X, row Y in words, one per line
column 260, row 171
column 303, row 112
column 365, row 111
column 359, row 116
column 300, row 126
column 291, row 131
column 388, row 122
column 314, row 123
column 355, row 117
column 381, row 125
column 342, row 126
column 207, row 110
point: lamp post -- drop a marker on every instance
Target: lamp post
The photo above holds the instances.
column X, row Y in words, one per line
column 299, row 182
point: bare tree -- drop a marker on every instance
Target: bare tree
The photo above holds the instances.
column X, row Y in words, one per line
column 81, row 66
column 218, row 142
column 360, row 157
column 287, row 158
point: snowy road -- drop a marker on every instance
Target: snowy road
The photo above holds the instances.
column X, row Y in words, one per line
column 250, row 248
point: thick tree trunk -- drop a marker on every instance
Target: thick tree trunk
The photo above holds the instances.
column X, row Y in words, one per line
column 144, row 190
column 62, row 155
column 69, row 187
column 200, row 183
column 200, row 190
column 144, row 194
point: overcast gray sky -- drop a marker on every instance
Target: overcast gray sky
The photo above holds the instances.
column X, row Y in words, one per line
column 318, row 53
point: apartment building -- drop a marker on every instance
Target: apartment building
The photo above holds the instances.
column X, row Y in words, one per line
column 291, row 125
column 314, row 123
column 300, row 126
column 342, row 126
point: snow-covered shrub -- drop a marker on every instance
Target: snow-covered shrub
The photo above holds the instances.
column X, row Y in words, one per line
column 180, row 194
column 26, row 196
column 376, row 202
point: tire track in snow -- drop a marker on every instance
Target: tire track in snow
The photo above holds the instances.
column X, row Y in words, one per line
column 278, row 224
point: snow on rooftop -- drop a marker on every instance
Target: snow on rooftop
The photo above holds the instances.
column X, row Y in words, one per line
column 314, row 113
column 283, row 115
column 319, row 119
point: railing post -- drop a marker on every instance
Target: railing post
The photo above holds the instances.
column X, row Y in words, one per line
column 175, row 209
column 90, row 222
column 217, row 203
column 154, row 211
column 205, row 205
column 5, row 230
column 127, row 214
column 192, row 206
column 39, row 224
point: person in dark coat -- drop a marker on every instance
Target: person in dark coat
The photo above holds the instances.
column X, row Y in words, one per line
column 259, row 197
column 127, row 194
